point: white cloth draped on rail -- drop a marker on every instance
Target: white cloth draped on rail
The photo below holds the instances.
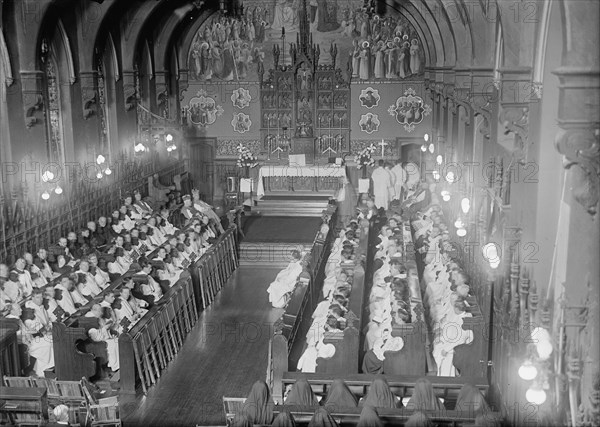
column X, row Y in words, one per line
column 284, row 283
column 316, row 171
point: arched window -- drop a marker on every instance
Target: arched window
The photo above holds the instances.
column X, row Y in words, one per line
column 56, row 147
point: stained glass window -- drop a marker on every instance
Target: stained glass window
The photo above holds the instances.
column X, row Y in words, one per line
column 56, row 150
column 103, row 111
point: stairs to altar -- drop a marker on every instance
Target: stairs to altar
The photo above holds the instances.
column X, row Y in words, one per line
column 259, row 254
column 304, row 205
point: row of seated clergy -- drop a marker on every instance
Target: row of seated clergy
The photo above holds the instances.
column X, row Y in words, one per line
column 285, row 282
column 95, row 273
column 193, row 207
column 390, row 295
column 329, row 314
column 259, row 408
column 446, row 287
column 30, row 272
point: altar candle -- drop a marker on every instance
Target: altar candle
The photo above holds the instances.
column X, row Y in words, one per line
column 282, row 31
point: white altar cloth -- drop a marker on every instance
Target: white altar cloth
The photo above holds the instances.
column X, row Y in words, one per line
column 328, row 170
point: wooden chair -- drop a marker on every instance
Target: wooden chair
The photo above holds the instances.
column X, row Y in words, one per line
column 18, row 381
column 232, row 406
column 100, row 412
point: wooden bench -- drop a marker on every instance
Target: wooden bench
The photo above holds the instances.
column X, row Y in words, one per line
column 347, row 344
column 287, row 343
column 24, row 405
column 446, row 388
column 350, row 416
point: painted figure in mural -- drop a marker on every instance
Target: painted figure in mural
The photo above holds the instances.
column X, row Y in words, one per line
column 355, row 54
column 365, row 61
column 286, row 16
column 415, row 58
column 379, row 51
column 403, row 65
column 368, row 100
column 326, row 16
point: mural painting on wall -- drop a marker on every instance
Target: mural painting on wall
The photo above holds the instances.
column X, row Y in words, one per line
column 202, row 110
column 241, row 98
column 369, row 123
column 241, row 122
column 409, row 110
column 369, row 97
column 227, row 48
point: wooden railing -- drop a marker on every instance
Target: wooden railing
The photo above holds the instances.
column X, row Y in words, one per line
column 446, row 388
column 146, row 350
column 28, row 223
column 213, row 269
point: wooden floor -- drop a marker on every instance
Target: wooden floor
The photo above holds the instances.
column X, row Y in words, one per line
column 223, row 355
column 280, row 229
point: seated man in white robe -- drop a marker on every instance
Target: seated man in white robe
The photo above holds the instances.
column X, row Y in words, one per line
column 106, row 334
column 88, row 286
column 37, row 305
column 25, row 279
column 285, row 282
column 451, row 336
column 38, row 340
column 39, row 280
column 126, row 310
column 149, row 286
column 12, row 287
column 64, row 297
column 41, row 261
column 50, row 304
column 100, row 276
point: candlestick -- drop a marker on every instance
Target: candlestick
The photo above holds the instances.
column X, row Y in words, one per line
column 282, row 31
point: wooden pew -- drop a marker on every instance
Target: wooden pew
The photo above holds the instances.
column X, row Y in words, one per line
column 347, row 344
column 10, row 358
column 472, row 357
column 412, row 358
column 446, row 388
column 23, row 405
column 287, row 343
column 145, row 349
column 350, row 416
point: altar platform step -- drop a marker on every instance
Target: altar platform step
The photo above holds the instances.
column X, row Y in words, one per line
column 305, row 205
column 263, row 254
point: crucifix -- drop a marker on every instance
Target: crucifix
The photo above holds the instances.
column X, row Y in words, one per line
column 383, row 144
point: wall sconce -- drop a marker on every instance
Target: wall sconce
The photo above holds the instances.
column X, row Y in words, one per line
column 465, row 205
column 490, row 254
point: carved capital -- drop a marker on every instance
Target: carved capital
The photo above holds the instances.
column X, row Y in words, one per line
column 581, row 147
column 183, row 83
column 579, row 107
column 33, row 100
column 129, row 90
column 89, row 93
column 515, row 119
column 162, row 93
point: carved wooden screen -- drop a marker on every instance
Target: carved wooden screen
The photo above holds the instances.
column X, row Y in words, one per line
column 277, row 100
column 299, row 102
column 333, row 100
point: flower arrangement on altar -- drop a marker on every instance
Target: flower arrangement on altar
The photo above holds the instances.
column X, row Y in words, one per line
column 245, row 157
column 365, row 157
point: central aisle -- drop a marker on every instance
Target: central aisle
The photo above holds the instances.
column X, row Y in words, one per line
column 224, row 355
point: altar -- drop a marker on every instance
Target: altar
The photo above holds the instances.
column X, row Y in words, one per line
column 326, row 178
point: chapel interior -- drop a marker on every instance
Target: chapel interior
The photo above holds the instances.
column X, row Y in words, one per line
column 299, row 212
